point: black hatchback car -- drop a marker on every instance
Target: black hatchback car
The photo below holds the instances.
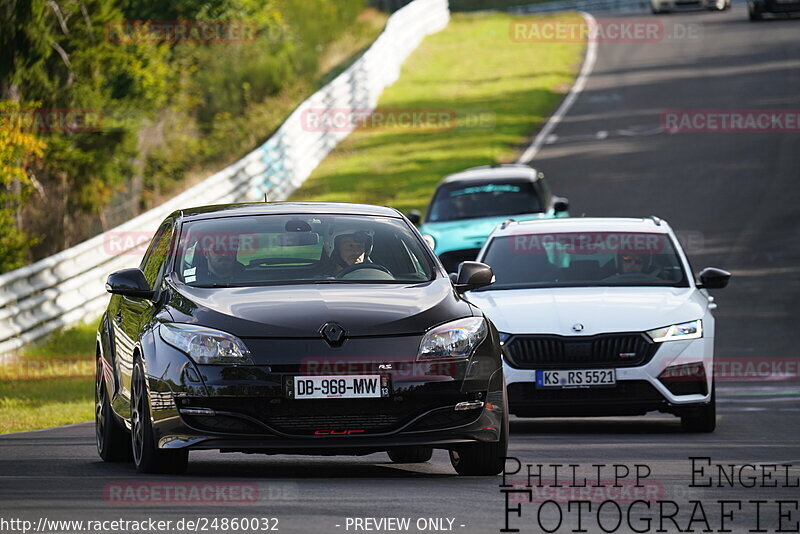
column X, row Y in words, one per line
column 303, row 328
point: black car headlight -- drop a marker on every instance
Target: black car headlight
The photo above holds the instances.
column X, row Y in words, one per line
column 205, row 345
column 454, row 340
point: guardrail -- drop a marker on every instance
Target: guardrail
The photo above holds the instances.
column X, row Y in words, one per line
column 69, row 287
column 590, row 6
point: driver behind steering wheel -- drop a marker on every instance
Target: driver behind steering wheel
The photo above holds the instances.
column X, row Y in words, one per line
column 349, row 249
column 633, row 263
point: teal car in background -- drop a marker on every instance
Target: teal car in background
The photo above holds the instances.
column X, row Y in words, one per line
column 468, row 205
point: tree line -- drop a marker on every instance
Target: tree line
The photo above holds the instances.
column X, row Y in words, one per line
column 108, row 106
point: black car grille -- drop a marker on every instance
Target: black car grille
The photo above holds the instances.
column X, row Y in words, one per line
column 452, row 259
column 308, row 424
column 305, row 417
column 587, row 352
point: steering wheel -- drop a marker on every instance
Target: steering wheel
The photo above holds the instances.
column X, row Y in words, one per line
column 357, row 266
column 281, row 261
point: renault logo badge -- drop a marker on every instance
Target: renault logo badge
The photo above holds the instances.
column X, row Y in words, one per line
column 333, row 333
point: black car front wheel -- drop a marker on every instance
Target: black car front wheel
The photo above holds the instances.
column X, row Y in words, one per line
column 147, row 457
column 484, row 459
column 113, row 443
column 481, row 459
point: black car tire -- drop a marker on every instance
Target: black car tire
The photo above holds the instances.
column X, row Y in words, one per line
column 410, row 455
column 113, row 442
column 754, row 12
column 704, row 418
column 483, row 459
column 147, row 457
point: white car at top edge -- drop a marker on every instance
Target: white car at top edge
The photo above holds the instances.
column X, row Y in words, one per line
column 661, row 6
column 601, row 317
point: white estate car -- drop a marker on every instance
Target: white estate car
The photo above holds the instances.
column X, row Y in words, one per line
column 660, row 6
column 601, row 316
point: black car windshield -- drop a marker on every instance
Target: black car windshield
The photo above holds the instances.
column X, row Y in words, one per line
column 584, row 259
column 490, row 199
column 286, row 249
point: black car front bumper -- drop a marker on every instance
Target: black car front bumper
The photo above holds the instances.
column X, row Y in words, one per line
column 251, row 409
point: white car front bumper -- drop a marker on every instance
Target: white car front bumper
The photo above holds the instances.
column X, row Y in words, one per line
column 671, row 353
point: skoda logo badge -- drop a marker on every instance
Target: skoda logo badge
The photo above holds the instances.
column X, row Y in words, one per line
column 577, row 327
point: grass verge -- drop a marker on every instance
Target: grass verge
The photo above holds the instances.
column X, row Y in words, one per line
column 492, row 91
column 50, row 382
column 31, row 404
column 68, row 343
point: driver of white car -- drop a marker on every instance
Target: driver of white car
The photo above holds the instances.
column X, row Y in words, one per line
column 632, row 263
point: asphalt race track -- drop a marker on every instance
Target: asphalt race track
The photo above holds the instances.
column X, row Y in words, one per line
column 736, row 199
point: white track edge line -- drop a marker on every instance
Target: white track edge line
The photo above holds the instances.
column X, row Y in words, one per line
column 575, row 90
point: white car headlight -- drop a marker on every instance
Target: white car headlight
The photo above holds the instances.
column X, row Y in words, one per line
column 453, row 340
column 690, row 330
column 205, row 345
column 429, row 240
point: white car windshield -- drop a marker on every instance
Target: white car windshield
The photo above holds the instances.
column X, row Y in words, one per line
column 584, row 259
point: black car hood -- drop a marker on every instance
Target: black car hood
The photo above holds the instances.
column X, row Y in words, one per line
column 299, row 311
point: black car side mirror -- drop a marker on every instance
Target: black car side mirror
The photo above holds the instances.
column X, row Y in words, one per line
column 560, row 205
column 414, row 216
column 129, row 283
column 713, row 278
column 473, row 275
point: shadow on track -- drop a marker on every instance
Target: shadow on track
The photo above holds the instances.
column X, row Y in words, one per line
column 601, row 426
